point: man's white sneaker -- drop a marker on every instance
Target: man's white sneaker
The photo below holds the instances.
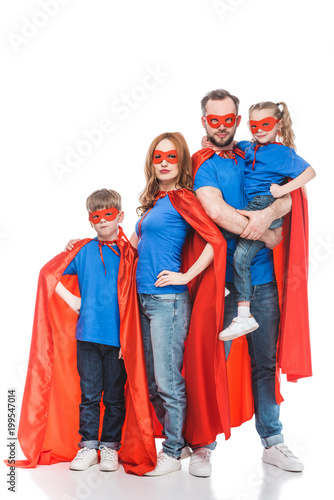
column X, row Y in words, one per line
column 84, row 459
column 200, row 463
column 108, row 459
column 238, row 327
column 165, row 465
column 281, row 456
column 186, row 452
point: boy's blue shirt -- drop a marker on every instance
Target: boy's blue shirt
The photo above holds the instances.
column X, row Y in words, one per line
column 99, row 319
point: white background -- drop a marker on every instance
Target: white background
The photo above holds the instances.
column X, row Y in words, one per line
column 74, row 66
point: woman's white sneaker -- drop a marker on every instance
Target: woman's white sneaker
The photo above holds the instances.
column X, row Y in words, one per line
column 281, row 456
column 238, row 327
column 108, row 459
column 165, row 465
column 200, row 463
column 84, row 459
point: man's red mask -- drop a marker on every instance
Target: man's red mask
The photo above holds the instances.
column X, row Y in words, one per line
column 227, row 120
column 107, row 214
column 170, row 156
column 265, row 124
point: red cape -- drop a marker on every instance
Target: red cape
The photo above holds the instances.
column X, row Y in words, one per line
column 294, row 352
column 49, row 422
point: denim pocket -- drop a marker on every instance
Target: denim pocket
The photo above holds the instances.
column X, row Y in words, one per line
column 163, row 298
column 186, row 311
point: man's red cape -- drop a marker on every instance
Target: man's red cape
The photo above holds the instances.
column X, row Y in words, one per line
column 220, row 395
column 49, row 422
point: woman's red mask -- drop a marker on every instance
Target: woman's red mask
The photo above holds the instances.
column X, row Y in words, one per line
column 265, row 124
column 227, row 120
column 107, row 214
column 170, row 156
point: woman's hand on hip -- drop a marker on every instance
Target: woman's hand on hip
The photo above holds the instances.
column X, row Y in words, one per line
column 170, row 278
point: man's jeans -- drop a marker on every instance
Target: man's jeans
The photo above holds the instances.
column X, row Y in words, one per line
column 262, row 344
column 246, row 250
column 165, row 324
column 100, row 370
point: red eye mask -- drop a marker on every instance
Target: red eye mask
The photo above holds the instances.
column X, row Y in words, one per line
column 170, row 156
column 215, row 120
column 107, row 214
column 266, row 124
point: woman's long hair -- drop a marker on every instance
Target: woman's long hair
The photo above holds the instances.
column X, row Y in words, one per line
column 286, row 135
column 184, row 179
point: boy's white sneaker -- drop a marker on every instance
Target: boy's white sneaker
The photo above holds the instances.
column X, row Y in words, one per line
column 200, row 463
column 186, row 452
column 165, row 465
column 84, row 459
column 238, row 327
column 108, row 459
column 281, row 456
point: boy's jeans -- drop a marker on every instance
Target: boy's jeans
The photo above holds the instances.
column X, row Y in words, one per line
column 246, row 251
column 165, row 324
column 100, row 370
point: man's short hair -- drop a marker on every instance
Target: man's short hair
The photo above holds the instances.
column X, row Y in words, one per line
column 218, row 95
column 103, row 198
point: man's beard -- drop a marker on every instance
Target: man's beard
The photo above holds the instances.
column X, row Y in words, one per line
column 220, row 143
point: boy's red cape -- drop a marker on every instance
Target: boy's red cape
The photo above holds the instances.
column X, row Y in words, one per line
column 219, row 395
column 49, row 422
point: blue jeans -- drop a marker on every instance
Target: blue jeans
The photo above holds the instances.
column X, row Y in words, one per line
column 262, row 345
column 100, row 370
column 246, row 250
column 165, row 324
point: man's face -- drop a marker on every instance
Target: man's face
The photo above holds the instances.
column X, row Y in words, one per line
column 223, row 135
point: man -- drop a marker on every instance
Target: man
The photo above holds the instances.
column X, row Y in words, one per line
column 219, row 186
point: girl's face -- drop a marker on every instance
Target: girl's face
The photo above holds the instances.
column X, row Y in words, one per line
column 263, row 135
column 166, row 170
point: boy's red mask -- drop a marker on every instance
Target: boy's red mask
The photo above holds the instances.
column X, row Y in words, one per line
column 266, row 124
column 107, row 214
column 216, row 120
column 170, row 156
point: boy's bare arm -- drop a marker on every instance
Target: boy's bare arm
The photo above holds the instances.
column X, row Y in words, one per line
column 71, row 300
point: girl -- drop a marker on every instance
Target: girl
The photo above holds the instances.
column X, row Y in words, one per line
column 165, row 305
column 268, row 165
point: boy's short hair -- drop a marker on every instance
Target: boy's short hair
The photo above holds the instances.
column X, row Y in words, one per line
column 103, row 198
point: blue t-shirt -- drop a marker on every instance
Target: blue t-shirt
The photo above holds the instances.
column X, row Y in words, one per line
column 273, row 163
column 163, row 233
column 227, row 176
column 99, row 319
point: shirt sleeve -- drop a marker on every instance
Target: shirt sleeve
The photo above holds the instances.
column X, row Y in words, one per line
column 293, row 165
column 72, row 267
column 243, row 145
column 206, row 175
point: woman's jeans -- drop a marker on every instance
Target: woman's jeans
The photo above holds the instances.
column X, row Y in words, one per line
column 246, row 250
column 165, row 324
column 100, row 370
column 262, row 346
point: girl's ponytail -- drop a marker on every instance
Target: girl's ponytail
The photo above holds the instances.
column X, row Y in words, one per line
column 287, row 135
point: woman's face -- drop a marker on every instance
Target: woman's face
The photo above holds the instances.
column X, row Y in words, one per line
column 166, row 166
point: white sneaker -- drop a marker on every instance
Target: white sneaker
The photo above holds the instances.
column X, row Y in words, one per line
column 200, row 463
column 281, row 456
column 84, row 459
column 239, row 327
column 186, row 452
column 165, row 465
column 108, row 459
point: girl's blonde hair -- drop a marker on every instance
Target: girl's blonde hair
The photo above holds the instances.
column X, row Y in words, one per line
column 184, row 179
column 287, row 135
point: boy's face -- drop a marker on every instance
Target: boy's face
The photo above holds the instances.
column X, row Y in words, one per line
column 107, row 229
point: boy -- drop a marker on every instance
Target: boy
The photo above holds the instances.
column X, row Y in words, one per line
column 102, row 271
column 99, row 359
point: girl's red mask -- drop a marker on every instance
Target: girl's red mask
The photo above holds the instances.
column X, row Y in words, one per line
column 107, row 214
column 227, row 120
column 170, row 156
column 266, row 124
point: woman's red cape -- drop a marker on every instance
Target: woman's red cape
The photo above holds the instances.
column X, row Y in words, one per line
column 49, row 421
column 219, row 394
